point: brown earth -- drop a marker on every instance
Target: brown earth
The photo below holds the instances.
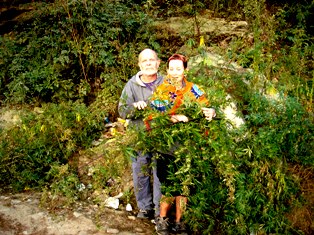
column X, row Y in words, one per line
column 22, row 214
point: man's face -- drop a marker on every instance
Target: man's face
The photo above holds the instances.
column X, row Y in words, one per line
column 148, row 63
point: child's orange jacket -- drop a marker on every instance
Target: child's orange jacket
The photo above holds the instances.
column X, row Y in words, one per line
column 167, row 98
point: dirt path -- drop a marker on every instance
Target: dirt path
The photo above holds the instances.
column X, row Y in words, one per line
column 21, row 214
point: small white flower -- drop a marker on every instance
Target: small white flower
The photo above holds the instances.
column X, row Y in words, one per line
column 91, row 170
column 81, row 187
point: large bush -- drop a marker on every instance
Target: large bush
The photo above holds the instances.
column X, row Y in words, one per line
column 237, row 179
column 45, row 139
column 70, row 50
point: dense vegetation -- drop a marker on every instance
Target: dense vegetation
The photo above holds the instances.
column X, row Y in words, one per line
column 64, row 64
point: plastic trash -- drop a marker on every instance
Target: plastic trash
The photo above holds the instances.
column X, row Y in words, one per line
column 112, row 202
column 128, row 207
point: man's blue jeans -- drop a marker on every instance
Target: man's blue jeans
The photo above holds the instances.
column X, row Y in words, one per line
column 143, row 166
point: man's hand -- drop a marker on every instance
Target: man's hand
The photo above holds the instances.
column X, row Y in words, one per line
column 179, row 118
column 209, row 113
column 140, row 105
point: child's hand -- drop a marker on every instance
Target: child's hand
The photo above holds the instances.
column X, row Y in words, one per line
column 209, row 113
column 179, row 118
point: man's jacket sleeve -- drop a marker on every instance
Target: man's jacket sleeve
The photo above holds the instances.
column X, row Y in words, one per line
column 125, row 107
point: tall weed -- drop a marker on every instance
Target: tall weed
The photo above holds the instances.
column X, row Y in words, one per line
column 279, row 56
column 51, row 137
column 237, row 179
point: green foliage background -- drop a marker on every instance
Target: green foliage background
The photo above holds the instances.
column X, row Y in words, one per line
column 64, row 64
column 68, row 49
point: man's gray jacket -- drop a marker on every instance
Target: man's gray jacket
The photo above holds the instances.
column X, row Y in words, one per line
column 135, row 90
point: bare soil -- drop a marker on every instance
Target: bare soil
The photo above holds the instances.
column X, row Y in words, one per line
column 23, row 214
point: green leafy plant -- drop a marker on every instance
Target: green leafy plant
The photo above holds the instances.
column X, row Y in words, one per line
column 237, row 180
column 83, row 44
column 43, row 139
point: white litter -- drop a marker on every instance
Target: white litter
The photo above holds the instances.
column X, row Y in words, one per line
column 112, row 202
column 128, row 207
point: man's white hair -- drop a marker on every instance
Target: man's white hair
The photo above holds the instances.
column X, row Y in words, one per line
column 146, row 51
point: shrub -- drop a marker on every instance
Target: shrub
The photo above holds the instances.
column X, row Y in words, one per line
column 65, row 50
column 29, row 150
column 237, row 180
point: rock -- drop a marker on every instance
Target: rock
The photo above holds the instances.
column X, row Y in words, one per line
column 139, row 230
column 97, row 142
column 9, row 119
column 212, row 29
column 129, row 233
column 119, row 195
column 112, row 230
column 131, row 217
column 38, row 216
column 230, row 112
column 128, row 207
column 77, row 214
column 15, row 202
column 112, row 202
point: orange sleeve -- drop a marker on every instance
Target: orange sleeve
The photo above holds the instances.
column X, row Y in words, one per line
column 203, row 100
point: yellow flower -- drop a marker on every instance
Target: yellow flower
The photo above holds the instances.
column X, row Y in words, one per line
column 123, row 121
column 202, row 41
column 113, row 131
column 78, row 117
column 42, row 128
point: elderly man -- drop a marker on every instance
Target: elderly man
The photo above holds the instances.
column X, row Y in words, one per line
column 134, row 97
